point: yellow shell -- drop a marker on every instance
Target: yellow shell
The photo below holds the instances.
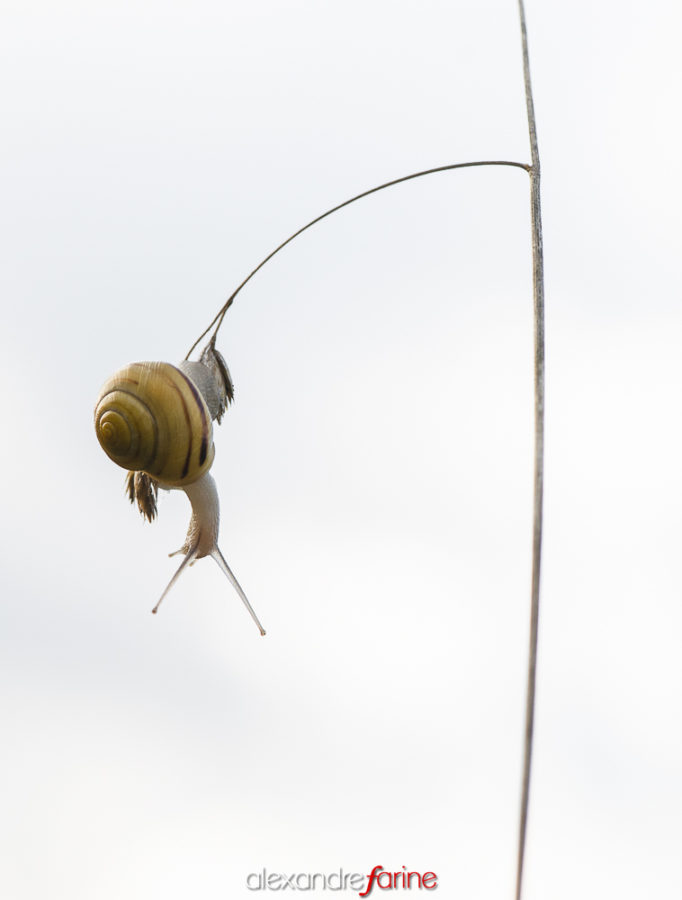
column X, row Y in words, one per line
column 151, row 417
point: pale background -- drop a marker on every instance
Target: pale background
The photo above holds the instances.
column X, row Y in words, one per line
column 375, row 471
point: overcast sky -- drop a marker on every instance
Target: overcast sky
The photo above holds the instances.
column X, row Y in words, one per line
column 375, row 470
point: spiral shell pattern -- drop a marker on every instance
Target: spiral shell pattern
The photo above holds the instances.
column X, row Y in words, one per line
column 151, row 417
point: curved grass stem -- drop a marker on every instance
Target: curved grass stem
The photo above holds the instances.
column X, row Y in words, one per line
column 218, row 318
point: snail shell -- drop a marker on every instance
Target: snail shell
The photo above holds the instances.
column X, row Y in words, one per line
column 151, row 417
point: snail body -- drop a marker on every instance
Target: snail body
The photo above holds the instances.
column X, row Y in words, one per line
column 155, row 420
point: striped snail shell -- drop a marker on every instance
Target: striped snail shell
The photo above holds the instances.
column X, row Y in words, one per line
column 155, row 419
column 151, row 417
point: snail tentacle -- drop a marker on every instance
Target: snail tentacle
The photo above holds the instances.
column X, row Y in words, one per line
column 187, row 561
column 222, row 564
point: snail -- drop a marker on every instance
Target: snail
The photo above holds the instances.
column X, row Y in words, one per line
column 155, row 419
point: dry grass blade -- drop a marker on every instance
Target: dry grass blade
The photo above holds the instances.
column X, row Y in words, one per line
column 538, row 478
